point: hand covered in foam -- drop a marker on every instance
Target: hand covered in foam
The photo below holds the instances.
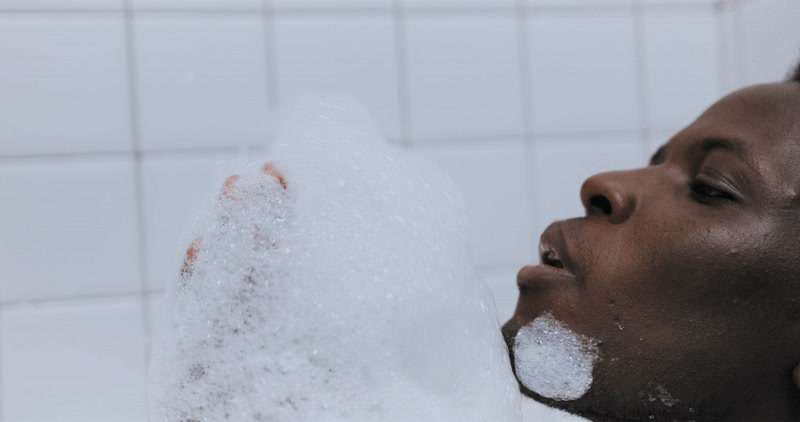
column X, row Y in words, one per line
column 340, row 289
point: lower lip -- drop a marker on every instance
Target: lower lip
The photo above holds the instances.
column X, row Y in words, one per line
column 543, row 272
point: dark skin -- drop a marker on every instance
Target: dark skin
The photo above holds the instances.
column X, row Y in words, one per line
column 686, row 271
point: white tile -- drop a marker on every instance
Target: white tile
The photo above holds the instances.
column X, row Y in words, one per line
column 352, row 55
column 583, row 72
column 458, row 4
column 197, row 4
column 74, row 362
column 502, row 282
column 61, row 5
column 64, row 84
column 561, row 167
column 463, row 75
column 174, row 189
column 332, row 4
column 682, row 73
column 69, row 229
column 579, row 3
column 202, row 80
column 492, row 178
column 771, row 38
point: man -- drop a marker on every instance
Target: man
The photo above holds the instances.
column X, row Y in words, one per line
column 680, row 288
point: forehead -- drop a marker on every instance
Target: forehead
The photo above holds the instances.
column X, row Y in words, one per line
column 764, row 118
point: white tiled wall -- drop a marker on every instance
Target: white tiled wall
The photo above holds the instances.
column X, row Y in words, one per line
column 53, row 101
column 73, row 361
column 201, row 80
column 670, row 37
column 68, row 228
column 118, row 117
column 583, row 70
column 463, row 75
column 353, row 54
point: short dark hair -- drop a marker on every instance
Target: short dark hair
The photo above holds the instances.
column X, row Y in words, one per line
column 795, row 74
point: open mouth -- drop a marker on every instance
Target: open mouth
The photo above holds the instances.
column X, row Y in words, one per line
column 554, row 252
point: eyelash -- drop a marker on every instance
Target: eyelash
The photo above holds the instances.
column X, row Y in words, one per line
column 705, row 193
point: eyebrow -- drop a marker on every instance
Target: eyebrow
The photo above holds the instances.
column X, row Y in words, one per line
column 659, row 156
column 707, row 145
column 733, row 145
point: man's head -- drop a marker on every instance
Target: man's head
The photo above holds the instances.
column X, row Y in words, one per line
column 685, row 274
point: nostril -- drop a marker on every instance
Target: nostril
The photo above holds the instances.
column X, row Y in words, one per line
column 601, row 203
column 550, row 258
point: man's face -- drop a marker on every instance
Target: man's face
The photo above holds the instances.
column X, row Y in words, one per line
column 683, row 271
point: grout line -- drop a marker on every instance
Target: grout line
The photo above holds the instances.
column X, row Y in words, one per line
column 198, row 12
column 62, row 11
column 401, row 63
column 426, row 142
column 133, row 92
column 525, row 81
column 598, row 8
column 526, row 103
column 539, row 137
column 57, row 155
column 482, row 10
column 125, row 154
column 329, row 10
column 59, row 300
column 681, row 8
column 154, row 292
column 183, row 152
column 654, row 135
column 639, row 49
column 723, row 73
column 739, row 40
column 458, row 11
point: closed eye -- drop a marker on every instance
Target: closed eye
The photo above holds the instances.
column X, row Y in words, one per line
column 706, row 193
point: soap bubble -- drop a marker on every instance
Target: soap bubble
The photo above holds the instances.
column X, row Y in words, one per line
column 348, row 296
column 553, row 361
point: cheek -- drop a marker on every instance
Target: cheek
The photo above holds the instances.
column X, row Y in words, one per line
column 679, row 264
column 653, row 294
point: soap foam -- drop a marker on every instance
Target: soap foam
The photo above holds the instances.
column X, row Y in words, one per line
column 349, row 296
column 553, row 361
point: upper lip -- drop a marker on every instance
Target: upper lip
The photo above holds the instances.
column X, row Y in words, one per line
column 553, row 250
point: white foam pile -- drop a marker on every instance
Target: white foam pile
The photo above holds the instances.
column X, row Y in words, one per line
column 349, row 296
column 552, row 360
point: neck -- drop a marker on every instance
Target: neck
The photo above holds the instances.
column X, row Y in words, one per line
column 780, row 403
column 754, row 402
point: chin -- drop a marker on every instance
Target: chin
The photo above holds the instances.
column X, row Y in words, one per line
column 584, row 407
column 594, row 406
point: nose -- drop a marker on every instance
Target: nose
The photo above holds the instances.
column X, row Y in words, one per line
column 610, row 194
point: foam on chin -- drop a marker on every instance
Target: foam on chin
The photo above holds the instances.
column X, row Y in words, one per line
column 553, row 361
